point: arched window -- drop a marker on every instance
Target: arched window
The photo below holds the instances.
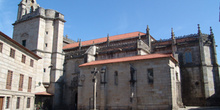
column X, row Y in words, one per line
column 188, row 57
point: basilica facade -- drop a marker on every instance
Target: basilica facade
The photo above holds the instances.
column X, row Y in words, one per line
column 131, row 71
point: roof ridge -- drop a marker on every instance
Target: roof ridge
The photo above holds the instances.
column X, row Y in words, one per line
column 112, row 36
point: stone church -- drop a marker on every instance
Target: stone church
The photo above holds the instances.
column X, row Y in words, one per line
column 131, row 71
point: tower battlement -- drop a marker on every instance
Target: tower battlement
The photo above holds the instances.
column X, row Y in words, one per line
column 41, row 12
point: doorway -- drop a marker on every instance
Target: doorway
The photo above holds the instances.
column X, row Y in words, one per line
column 1, row 103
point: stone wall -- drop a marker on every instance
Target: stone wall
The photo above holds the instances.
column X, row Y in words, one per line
column 117, row 92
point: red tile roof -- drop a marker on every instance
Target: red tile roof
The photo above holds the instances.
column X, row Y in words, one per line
column 43, row 93
column 104, row 39
column 19, row 45
column 126, row 59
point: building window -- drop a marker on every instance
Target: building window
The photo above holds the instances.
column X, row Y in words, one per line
column 44, row 69
column 116, row 78
column 9, row 79
column 188, row 57
column 45, row 44
column 150, row 76
column 133, row 75
column 24, row 43
column 12, row 53
column 7, row 102
column 29, row 84
column 177, row 77
column 21, row 82
column 32, row 63
column 23, row 58
column 1, row 46
column 28, row 102
column 31, row 9
column 18, row 103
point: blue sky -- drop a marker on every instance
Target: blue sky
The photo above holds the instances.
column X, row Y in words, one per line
column 90, row 19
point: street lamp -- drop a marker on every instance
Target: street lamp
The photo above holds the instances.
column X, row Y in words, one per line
column 94, row 80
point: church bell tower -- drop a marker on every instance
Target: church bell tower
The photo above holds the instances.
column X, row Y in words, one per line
column 41, row 31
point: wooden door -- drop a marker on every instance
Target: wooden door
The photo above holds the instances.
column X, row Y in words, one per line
column 1, row 103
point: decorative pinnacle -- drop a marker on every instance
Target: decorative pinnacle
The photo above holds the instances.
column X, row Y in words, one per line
column 108, row 37
column 199, row 31
column 211, row 33
column 139, row 35
column 148, row 30
column 172, row 34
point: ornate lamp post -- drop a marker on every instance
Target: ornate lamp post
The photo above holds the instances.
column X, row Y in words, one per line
column 94, row 80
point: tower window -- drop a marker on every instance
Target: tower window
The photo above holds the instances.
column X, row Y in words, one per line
column 44, row 69
column 45, row 44
column 24, row 43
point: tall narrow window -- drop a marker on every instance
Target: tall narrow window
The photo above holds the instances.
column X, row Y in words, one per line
column 29, row 84
column 21, row 82
column 31, row 63
column 12, row 53
column 150, row 76
column 18, row 103
column 1, row 46
column 133, row 75
column 188, row 57
column 116, row 78
column 9, row 79
column 23, row 58
column 24, row 43
column 28, row 102
column 31, row 9
column 7, row 102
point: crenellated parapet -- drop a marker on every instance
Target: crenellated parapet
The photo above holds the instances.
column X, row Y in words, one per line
column 47, row 14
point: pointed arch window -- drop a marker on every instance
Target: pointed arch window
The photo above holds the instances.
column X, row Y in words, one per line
column 188, row 57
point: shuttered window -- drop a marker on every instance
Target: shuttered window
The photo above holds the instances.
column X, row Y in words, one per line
column 7, row 102
column 29, row 84
column 18, row 103
column 1, row 46
column 23, row 59
column 21, row 82
column 31, row 63
column 28, row 102
column 12, row 53
column 9, row 79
